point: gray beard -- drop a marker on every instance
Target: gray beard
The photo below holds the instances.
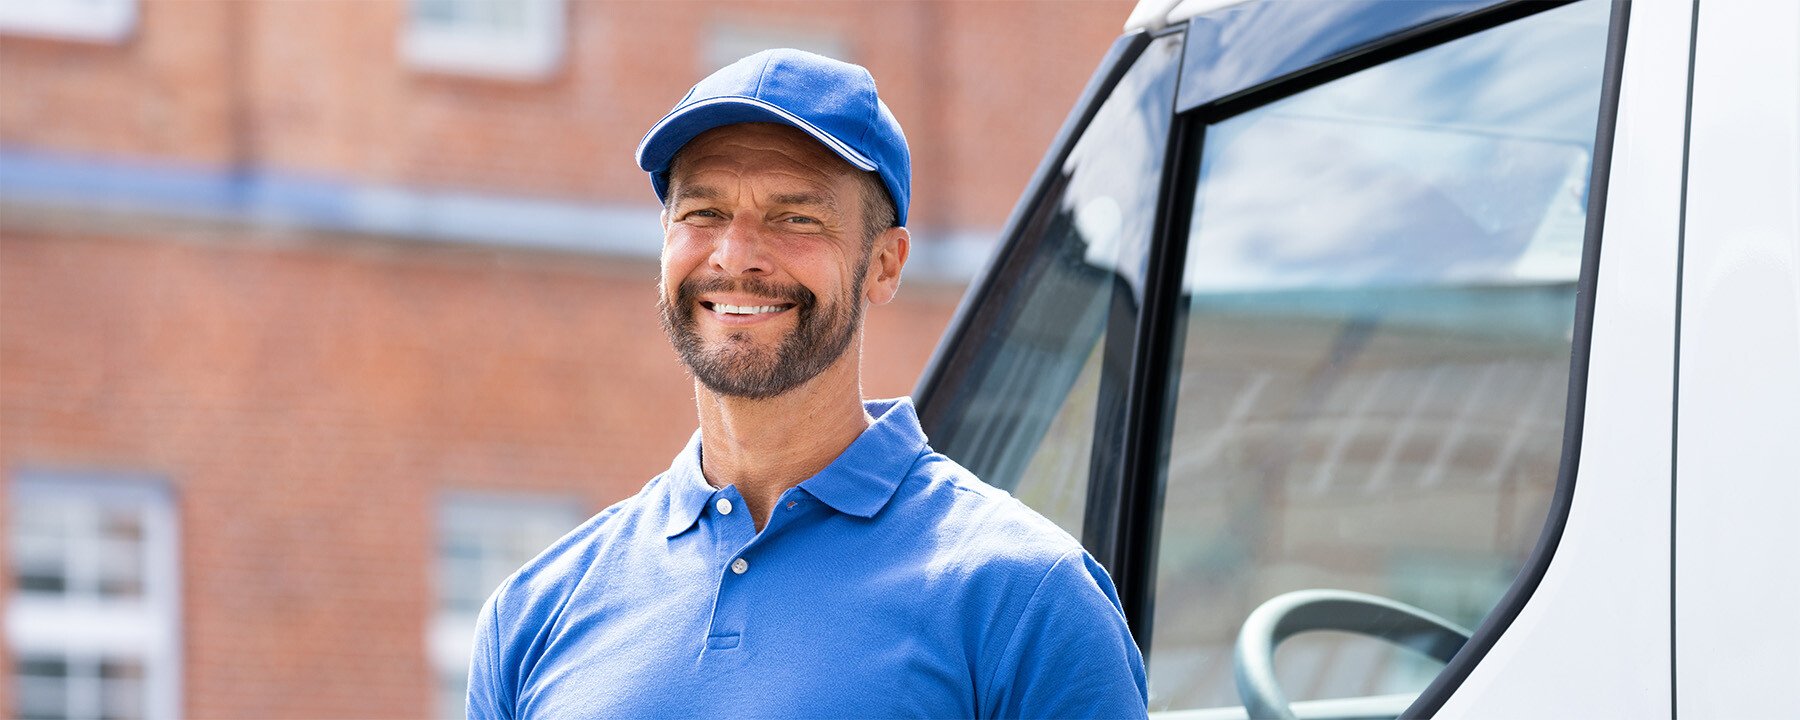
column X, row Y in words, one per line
column 738, row 368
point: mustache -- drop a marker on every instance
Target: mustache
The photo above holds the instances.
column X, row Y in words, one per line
column 801, row 297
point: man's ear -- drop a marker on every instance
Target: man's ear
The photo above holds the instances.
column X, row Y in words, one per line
column 886, row 259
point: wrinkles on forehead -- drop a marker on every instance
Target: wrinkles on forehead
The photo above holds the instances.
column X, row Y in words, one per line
column 761, row 147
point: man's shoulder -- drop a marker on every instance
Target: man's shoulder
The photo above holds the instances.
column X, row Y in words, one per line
column 983, row 524
column 1054, row 638
column 555, row 570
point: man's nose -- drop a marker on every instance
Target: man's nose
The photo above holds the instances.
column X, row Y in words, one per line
column 739, row 250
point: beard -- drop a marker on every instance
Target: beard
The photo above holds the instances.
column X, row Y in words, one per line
column 737, row 366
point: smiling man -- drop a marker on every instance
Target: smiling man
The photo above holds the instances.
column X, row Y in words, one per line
column 807, row 554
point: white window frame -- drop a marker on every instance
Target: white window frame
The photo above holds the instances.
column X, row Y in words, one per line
column 450, row 634
column 145, row 629
column 532, row 52
column 105, row 21
column 730, row 39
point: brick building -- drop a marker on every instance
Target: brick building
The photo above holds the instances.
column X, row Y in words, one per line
column 316, row 318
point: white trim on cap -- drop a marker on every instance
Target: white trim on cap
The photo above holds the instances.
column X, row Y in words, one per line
column 861, row 161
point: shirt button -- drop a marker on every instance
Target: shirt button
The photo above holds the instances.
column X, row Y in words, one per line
column 740, row 565
column 724, row 506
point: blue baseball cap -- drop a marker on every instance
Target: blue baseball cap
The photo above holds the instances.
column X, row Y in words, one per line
column 831, row 100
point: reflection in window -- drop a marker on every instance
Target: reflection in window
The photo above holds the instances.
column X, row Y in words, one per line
column 91, row 621
column 482, row 538
column 1024, row 407
column 1380, row 297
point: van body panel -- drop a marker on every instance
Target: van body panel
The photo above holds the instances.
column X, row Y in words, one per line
column 1737, row 579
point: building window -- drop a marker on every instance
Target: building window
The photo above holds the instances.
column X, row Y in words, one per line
column 91, row 619
column 91, row 20
column 730, row 39
column 520, row 39
column 482, row 538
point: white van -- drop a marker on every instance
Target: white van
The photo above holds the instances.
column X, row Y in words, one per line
column 1417, row 358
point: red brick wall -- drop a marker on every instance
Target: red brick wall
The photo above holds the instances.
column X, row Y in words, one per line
column 320, row 88
column 165, row 92
column 309, row 401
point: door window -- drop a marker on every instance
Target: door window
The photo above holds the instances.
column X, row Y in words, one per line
column 1379, row 300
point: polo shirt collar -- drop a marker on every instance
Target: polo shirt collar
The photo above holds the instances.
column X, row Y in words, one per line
column 687, row 490
column 859, row 482
column 862, row 480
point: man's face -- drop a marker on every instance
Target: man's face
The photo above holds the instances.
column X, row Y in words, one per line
column 763, row 259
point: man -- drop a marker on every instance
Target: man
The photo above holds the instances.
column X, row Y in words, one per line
column 807, row 554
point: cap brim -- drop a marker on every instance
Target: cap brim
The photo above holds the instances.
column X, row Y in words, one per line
column 676, row 129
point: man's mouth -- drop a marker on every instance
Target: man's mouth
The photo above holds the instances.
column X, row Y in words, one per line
column 725, row 309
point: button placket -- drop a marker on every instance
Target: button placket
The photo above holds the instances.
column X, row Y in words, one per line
column 733, row 532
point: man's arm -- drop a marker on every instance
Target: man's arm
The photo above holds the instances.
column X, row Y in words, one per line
column 488, row 696
column 1071, row 654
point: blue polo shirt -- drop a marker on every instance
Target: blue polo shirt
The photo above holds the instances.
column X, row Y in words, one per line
column 891, row 584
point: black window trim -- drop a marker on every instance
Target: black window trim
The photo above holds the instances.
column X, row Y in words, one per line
column 1332, row 31
column 1402, row 41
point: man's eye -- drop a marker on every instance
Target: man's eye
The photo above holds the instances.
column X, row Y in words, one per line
column 704, row 214
column 801, row 220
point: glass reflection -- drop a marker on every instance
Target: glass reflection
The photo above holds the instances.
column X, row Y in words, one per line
column 1380, row 297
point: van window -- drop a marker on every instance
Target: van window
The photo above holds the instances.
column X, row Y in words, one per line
column 1379, row 299
column 1033, row 376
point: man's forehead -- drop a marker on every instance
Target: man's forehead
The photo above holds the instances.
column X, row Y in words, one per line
column 770, row 143
column 773, row 152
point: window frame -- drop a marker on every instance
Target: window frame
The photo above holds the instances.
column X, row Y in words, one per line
column 450, row 631
column 728, row 39
column 534, row 52
column 112, row 23
column 146, row 629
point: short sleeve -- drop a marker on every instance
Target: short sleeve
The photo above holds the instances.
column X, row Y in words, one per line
column 1070, row 654
column 489, row 698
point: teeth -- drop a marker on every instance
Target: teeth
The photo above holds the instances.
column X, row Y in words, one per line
column 745, row 309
